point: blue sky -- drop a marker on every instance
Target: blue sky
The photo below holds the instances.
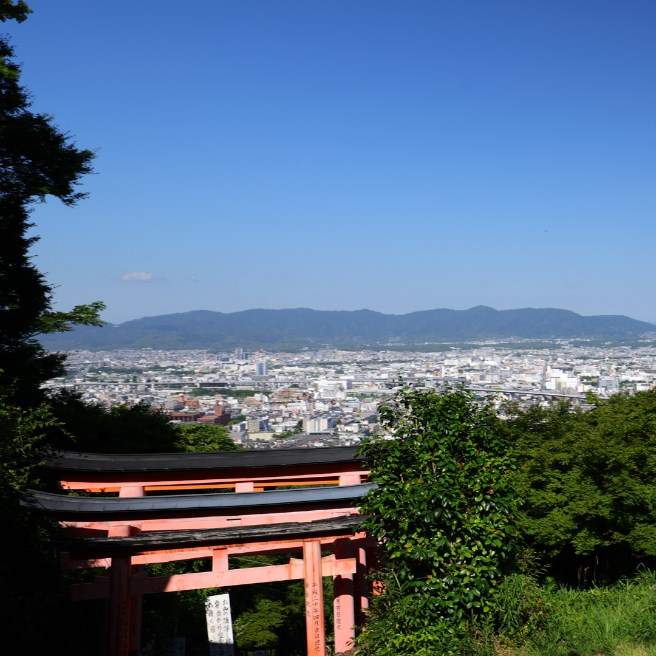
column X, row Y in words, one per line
column 395, row 155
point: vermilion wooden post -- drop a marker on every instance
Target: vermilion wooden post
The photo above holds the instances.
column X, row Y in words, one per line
column 119, row 606
column 219, row 564
column 343, row 603
column 135, row 605
column 131, row 491
column 362, row 587
column 314, row 618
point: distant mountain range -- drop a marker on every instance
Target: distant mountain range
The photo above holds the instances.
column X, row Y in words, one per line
column 299, row 328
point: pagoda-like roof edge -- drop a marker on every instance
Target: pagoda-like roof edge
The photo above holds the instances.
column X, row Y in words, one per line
column 73, row 461
column 234, row 535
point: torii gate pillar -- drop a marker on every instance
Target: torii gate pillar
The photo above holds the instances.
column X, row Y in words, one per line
column 314, row 617
column 119, row 605
column 344, row 602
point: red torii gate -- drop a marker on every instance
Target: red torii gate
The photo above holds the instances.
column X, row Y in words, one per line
column 131, row 530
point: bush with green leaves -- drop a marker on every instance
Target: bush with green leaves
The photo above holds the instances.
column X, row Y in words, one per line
column 442, row 514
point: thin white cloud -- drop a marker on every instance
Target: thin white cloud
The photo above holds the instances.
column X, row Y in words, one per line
column 137, row 276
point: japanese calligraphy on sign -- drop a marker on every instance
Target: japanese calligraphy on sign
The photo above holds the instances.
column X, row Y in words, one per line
column 219, row 625
column 314, row 613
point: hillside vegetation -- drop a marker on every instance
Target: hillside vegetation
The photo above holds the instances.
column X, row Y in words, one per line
column 303, row 328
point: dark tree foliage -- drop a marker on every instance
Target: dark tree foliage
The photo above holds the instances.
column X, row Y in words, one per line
column 120, row 429
column 37, row 160
column 587, row 480
column 36, row 613
column 128, row 429
column 17, row 11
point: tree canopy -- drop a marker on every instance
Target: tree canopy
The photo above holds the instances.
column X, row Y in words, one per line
column 37, row 160
column 587, row 481
column 17, row 11
column 203, row 438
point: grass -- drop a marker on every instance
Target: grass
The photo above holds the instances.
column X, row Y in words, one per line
column 548, row 620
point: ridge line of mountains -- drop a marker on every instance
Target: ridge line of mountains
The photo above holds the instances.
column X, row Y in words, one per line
column 292, row 329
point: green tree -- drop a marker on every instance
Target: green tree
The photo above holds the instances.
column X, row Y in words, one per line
column 259, row 626
column 443, row 517
column 587, row 480
column 128, row 429
column 272, row 615
column 202, row 438
column 14, row 10
column 21, row 447
column 120, row 429
column 37, row 160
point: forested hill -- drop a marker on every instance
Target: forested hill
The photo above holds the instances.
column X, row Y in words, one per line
column 298, row 328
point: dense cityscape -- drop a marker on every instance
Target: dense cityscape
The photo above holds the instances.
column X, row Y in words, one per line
column 330, row 397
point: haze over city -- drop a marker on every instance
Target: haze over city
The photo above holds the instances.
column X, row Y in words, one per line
column 395, row 156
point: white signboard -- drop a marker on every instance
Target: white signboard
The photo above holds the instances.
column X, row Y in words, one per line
column 219, row 625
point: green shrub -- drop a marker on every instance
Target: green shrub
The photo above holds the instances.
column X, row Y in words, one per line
column 442, row 514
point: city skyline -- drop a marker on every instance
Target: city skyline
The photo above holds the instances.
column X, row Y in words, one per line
column 391, row 156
